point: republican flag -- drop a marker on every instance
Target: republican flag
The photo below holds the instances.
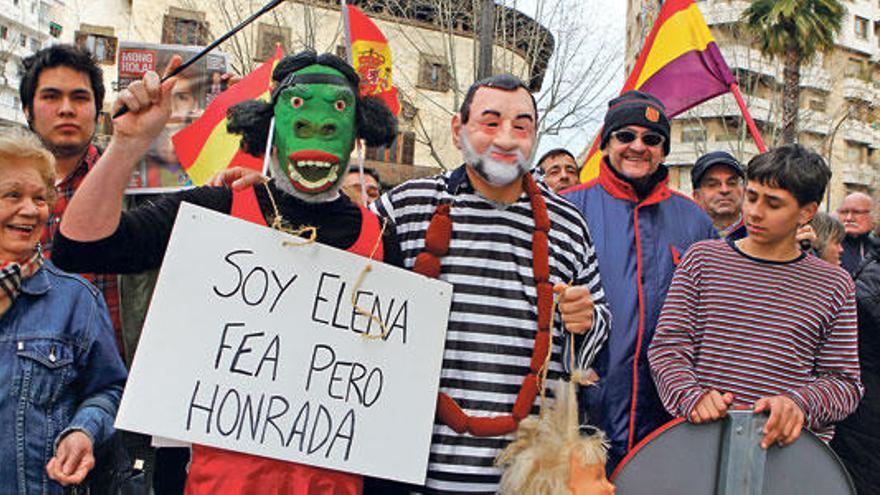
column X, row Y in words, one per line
column 371, row 58
column 205, row 147
column 680, row 64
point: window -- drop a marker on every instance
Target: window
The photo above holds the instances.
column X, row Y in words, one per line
column 729, row 130
column 402, row 150
column 853, row 67
column 184, row 27
column 433, row 73
column 861, row 27
column 35, row 44
column 693, row 133
column 818, row 104
column 853, row 153
column 269, row 36
column 101, row 46
column 22, row 40
column 4, row 32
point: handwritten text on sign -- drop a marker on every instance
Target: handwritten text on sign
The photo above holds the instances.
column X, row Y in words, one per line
column 253, row 344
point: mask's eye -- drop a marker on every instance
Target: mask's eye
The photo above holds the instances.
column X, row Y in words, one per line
column 296, row 101
column 340, row 105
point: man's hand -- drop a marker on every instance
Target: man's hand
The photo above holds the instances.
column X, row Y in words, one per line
column 711, row 407
column 237, row 178
column 806, row 234
column 231, row 79
column 73, row 459
column 576, row 307
column 785, row 422
column 149, row 107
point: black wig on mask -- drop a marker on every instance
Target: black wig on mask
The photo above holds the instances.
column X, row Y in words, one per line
column 374, row 122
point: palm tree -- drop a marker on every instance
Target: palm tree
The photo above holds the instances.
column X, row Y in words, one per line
column 795, row 31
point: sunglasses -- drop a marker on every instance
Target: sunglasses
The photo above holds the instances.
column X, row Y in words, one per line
column 648, row 138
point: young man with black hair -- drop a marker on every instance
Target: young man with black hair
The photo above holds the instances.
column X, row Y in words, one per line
column 758, row 323
column 62, row 91
column 558, row 169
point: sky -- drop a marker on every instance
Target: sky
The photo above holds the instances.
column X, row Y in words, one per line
column 608, row 19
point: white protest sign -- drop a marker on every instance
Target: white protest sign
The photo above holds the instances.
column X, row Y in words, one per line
column 251, row 344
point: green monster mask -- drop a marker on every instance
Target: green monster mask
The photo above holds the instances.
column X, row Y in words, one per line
column 314, row 111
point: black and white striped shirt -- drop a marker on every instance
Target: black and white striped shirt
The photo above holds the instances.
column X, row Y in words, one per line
column 493, row 320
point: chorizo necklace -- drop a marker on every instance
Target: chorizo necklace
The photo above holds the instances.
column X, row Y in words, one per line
column 437, row 239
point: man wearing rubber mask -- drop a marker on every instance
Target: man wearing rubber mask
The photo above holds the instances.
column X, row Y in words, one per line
column 505, row 243
column 317, row 116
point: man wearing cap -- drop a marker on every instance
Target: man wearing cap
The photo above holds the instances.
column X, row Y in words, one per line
column 718, row 178
column 642, row 228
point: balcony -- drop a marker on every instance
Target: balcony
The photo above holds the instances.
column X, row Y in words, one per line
column 859, row 89
column 859, row 174
column 744, row 57
column 718, row 12
column 687, row 153
column 859, row 132
column 725, row 106
column 814, row 122
column 816, row 78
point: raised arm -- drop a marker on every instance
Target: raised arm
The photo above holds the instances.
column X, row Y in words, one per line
column 93, row 212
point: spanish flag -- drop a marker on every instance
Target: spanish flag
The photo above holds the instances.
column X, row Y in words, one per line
column 205, row 147
column 371, row 58
column 680, row 64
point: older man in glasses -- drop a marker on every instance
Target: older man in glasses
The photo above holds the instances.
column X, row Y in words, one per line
column 641, row 228
column 857, row 214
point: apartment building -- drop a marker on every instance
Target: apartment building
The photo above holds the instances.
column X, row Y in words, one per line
column 840, row 94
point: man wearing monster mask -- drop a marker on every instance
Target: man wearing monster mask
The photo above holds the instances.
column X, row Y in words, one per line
column 317, row 116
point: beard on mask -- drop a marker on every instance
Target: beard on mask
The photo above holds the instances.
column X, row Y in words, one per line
column 496, row 173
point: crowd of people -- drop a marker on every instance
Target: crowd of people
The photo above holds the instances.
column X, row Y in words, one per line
column 742, row 295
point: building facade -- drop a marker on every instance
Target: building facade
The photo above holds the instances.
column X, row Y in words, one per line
column 25, row 27
column 433, row 47
column 839, row 115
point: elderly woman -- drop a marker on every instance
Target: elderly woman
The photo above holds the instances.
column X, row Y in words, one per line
column 60, row 374
column 829, row 234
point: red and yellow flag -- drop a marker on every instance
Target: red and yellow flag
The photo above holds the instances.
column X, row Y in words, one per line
column 205, row 147
column 680, row 64
column 371, row 58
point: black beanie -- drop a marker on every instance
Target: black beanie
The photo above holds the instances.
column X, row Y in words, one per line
column 636, row 108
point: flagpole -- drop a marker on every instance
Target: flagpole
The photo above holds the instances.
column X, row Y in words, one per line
column 753, row 129
column 346, row 26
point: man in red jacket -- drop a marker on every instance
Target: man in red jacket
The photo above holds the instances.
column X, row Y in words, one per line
column 317, row 117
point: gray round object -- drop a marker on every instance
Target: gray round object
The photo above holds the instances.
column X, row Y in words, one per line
column 685, row 459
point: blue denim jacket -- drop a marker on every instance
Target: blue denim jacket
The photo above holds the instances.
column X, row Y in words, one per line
column 59, row 371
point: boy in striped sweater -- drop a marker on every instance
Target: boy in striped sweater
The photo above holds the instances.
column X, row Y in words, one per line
column 758, row 323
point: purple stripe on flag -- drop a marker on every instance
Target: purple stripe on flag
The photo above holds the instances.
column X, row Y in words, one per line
column 690, row 80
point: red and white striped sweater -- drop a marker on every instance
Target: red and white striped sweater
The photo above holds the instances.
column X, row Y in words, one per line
column 757, row 328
